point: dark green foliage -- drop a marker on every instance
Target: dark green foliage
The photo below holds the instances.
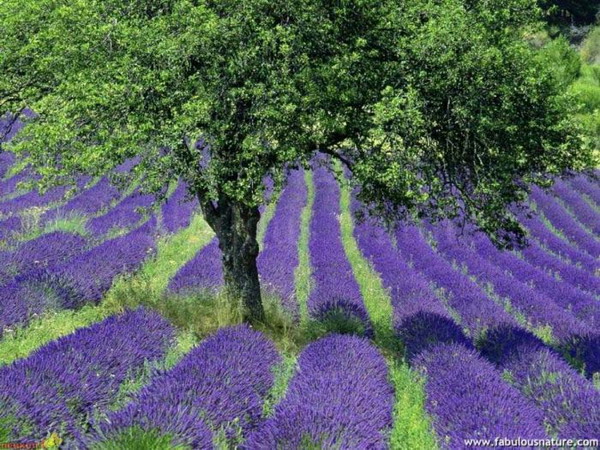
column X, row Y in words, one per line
column 571, row 12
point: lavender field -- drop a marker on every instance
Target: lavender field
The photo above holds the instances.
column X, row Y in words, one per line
column 419, row 338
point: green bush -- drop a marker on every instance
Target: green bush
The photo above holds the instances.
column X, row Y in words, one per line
column 588, row 94
column 590, row 49
column 563, row 60
column 591, row 123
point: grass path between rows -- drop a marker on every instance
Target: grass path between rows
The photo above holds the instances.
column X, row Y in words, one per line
column 412, row 426
column 152, row 279
column 302, row 275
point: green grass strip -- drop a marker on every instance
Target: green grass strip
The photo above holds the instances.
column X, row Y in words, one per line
column 184, row 342
column 412, row 426
column 283, row 374
column 376, row 298
column 128, row 291
column 17, row 167
column 265, row 219
column 136, row 438
column 302, row 274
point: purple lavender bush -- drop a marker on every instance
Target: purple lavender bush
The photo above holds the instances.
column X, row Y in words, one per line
column 89, row 275
column 20, row 301
column 279, row 257
column 340, row 397
column 563, row 221
column 47, row 250
column 220, row 384
column 63, row 384
column 203, row 272
column 89, row 202
column 124, row 215
column 71, row 284
column 174, row 422
column 588, row 186
column 558, row 245
column 9, row 227
column 420, row 318
column 177, row 211
column 335, row 288
column 538, row 309
column 32, row 199
column 582, row 210
column 7, row 159
column 468, row 399
column 577, row 302
column 9, row 185
column 477, row 311
column 569, row 402
column 577, row 277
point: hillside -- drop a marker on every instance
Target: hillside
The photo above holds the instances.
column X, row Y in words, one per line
column 416, row 339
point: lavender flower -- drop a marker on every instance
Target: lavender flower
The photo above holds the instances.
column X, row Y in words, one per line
column 570, row 403
column 339, row 398
column 582, row 210
column 575, row 276
column 47, row 250
column 64, row 383
column 185, row 428
column 32, row 199
column 588, row 186
column 89, row 202
column 477, row 311
column 124, row 215
column 335, row 288
column 579, row 303
column 565, row 223
column 220, row 384
column 203, row 271
column 420, row 319
column 86, row 277
column 19, row 301
column 7, row 159
column 9, row 185
column 10, row 226
column 177, row 211
column 558, row 245
column 468, row 399
column 279, row 258
column 79, row 280
column 538, row 309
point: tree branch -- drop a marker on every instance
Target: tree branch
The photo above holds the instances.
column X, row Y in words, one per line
column 339, row 157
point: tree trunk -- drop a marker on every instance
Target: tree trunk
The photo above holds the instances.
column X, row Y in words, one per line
column 235, row 226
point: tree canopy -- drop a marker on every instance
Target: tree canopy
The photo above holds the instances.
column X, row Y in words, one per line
column 439, row 107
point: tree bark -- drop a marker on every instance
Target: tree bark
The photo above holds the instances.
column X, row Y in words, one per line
column 235, row 226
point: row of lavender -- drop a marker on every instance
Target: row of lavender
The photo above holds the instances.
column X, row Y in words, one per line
column 64, row 270
column 464, row 300
column 339, row 396
column 442, row 314
column 335, row 291
column 277, row 260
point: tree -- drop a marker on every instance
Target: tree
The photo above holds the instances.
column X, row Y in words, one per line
column 437, row 106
